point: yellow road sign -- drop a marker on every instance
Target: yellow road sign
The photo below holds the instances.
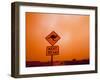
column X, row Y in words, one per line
column 52, row 38
column 52, row 50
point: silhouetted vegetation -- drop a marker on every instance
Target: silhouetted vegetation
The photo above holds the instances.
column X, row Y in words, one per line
column 56, row 63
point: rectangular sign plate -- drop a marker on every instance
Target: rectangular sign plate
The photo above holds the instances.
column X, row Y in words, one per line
column 52, row 50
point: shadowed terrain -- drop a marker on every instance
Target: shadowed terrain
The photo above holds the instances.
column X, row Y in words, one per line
column 56, row 63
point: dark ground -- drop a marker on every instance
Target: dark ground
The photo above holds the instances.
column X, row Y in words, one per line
column 56, row 63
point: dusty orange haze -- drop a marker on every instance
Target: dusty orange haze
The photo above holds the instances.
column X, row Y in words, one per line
column 73, row 30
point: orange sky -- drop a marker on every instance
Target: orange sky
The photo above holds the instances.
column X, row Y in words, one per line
column 73, row 30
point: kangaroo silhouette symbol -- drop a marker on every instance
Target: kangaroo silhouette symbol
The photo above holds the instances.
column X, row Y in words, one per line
column 53, row 37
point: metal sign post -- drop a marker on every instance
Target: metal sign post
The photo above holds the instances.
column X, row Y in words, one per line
column 52, row 60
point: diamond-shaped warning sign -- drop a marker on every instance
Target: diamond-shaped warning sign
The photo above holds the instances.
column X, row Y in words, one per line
column 52, row 38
